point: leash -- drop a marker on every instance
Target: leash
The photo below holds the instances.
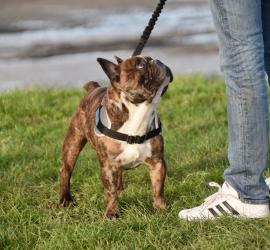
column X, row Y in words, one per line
column 148, row 29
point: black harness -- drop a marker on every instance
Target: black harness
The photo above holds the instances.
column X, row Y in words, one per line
column 130, row 139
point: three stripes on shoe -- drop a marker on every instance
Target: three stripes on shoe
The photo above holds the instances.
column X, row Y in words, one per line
column 221, row 210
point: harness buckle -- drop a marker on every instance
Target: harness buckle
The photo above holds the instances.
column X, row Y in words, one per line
column 134, row 139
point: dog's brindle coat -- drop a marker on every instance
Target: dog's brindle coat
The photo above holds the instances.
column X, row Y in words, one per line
column 129, row 105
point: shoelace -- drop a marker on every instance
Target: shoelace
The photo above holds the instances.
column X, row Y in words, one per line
column 214, row 196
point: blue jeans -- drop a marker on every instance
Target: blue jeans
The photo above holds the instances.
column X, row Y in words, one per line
column 243, row 28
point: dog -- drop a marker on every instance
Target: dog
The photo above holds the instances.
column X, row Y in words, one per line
column 121, row 124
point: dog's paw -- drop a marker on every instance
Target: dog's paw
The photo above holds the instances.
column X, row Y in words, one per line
column 67, row 201
column 112, row 214
column 159, row 204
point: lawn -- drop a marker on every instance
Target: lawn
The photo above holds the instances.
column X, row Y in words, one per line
column 32, row 127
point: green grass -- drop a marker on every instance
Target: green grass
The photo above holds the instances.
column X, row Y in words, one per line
column 32, row 127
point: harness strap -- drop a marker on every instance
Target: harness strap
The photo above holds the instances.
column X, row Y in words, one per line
column 131, row 139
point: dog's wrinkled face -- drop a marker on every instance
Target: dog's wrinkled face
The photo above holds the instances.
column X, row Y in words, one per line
column 139, row 78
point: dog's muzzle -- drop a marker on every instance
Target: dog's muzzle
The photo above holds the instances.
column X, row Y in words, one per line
column 169, row 73
column 168, row 70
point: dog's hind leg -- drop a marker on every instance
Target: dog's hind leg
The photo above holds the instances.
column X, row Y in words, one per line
column 73, row 144
column 120, row 185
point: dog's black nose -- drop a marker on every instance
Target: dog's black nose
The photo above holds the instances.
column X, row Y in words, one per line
column 169, row 73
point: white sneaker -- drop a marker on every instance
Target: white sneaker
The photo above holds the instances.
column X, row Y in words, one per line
column 225, row 202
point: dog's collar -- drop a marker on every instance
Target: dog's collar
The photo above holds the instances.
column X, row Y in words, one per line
column 130, row 139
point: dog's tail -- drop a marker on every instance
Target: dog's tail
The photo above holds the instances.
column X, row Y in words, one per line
column 90, row 86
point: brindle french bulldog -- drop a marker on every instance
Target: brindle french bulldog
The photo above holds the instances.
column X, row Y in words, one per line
column 127, row 107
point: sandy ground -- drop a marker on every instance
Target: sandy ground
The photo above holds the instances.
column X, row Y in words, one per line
column 94, row 3
column 75, row 70
column 11, row 10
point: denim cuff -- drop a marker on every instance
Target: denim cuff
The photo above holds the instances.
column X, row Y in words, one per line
column 249, row 201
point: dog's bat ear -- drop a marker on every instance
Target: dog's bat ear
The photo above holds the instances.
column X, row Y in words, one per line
column 111, row 69
column 118, row 59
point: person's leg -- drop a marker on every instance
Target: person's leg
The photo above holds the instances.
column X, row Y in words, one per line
column 244, row 192
column 239, row 27
column 266, row 35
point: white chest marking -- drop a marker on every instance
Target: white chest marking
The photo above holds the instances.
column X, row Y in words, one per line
column 134, row 154
column 140, row 117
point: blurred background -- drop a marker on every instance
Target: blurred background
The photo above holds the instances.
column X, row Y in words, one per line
column 56, row 42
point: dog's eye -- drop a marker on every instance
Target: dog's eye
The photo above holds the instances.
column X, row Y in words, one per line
column 141, row 65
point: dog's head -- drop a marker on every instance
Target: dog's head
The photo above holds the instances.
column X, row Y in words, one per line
column 140, row 78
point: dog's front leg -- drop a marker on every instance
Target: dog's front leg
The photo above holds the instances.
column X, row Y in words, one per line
column 120, row 185
column 109, row 176
column 157, row 175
